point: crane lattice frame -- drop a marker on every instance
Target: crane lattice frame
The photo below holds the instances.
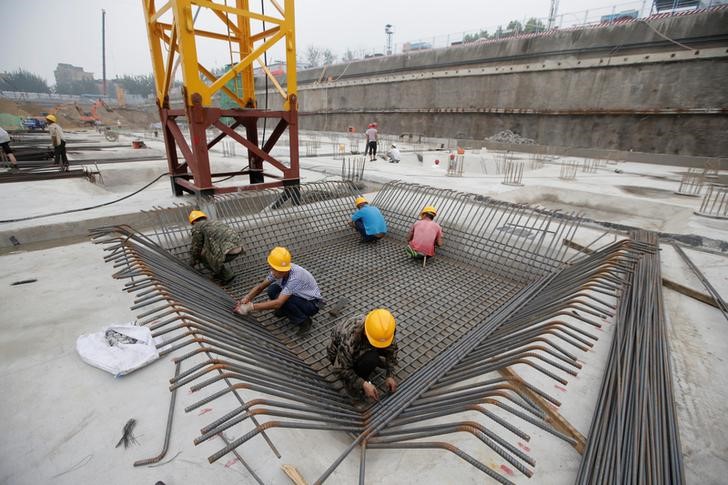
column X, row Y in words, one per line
column 173, row 39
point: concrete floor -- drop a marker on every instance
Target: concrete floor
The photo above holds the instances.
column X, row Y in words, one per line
column 63, row 417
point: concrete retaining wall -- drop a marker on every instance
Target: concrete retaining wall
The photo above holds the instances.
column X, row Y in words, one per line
column 622, row 87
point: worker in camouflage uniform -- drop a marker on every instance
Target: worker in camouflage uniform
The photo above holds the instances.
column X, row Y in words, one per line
column 214, row 244
column 361, row 344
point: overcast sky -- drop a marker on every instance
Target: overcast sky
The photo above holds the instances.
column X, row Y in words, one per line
column 38, row 34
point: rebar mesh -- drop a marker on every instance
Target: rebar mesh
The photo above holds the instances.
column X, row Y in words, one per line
column 352, row 168
column 691, row 183
column 715, row 202
column 589, row 165
column 513, row 172
column 455, row 166
column 500, row 286
column 568, row 169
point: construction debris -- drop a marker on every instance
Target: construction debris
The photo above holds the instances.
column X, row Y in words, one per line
column 509, row 137
column 127, row 436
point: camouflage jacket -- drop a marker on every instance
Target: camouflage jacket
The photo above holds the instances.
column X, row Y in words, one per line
column 210, row 241
column 348, row 343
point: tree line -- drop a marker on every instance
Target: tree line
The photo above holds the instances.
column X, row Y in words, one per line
column 514, row 27
column 28, row 82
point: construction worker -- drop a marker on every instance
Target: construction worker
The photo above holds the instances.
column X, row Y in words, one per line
column 214, row 244
column 393, row 154
column 58, row 140
column 371, row 146
column 361, row 344
column 424, row 235
column 368, row 221
column 5, row 145
column 292, row 292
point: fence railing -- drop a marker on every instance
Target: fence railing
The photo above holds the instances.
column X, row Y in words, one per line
column 618, row 12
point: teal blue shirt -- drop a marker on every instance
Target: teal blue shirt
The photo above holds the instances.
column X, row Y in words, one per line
column 372, row 219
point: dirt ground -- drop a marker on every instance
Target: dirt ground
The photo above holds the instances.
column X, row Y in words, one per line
column 68, row 115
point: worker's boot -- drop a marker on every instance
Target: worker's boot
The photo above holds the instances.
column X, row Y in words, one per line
column 305, row 326
column 338, row 307
column 226, row 275
column 411, row 252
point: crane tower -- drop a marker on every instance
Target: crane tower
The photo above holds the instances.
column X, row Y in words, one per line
column 182, row 34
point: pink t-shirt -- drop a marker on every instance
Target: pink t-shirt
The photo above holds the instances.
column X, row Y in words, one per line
column 424, row 234
column 371, row 134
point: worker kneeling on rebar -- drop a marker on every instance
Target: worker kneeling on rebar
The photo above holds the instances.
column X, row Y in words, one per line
column 213, row 244
column 292, row 291
column 368, row 221
column 424, row 235
column 361, row 344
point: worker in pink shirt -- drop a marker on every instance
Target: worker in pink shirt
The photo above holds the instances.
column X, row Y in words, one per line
column 424, row 235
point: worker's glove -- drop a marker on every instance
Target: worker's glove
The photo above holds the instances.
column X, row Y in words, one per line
column 243, row 308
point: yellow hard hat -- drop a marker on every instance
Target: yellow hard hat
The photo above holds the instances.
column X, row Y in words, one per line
column 280, row 259
column 51, row 118
column 360, row 200
column 194, row 215
column 379, row 327
column 429, row 210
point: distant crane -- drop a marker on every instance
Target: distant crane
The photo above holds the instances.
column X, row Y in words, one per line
column 553, row 12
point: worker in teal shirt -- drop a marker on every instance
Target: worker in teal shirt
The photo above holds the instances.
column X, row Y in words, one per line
column 368, row 221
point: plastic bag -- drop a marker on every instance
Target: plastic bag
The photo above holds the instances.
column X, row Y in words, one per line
column 118, row 349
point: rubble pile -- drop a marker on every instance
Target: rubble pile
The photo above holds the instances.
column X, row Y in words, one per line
column 507, row 136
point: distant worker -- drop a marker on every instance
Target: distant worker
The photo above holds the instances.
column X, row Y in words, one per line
column 371, row 137
column 361, row 344
column 58, row 140
column 213, row 244
column 424, row 235
column 368, row 221
column 292, row 292
column 5, row 144
column 393, row 154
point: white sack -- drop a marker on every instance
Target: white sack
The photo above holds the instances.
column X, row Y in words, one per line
column 116, row 357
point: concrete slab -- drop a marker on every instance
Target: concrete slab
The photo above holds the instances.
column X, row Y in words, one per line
column 65, row 417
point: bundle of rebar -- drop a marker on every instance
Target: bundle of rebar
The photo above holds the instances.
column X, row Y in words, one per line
column 634, row 435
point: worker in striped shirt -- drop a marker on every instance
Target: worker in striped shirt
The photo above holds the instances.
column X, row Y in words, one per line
column 292, row 292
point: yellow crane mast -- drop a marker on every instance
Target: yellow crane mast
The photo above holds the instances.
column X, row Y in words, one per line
column 182, row 39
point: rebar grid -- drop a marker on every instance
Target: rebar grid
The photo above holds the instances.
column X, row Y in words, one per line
column 634, row 436
column 691, row 183
column 589, row 165
column 715, row 202
column 499, row 276
column 568, row 169
column 513, row 172
column 352, row 168
column 455, row 166
column 306, row 402
column 711, row 169
column 536, row 161
column 338, row 149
